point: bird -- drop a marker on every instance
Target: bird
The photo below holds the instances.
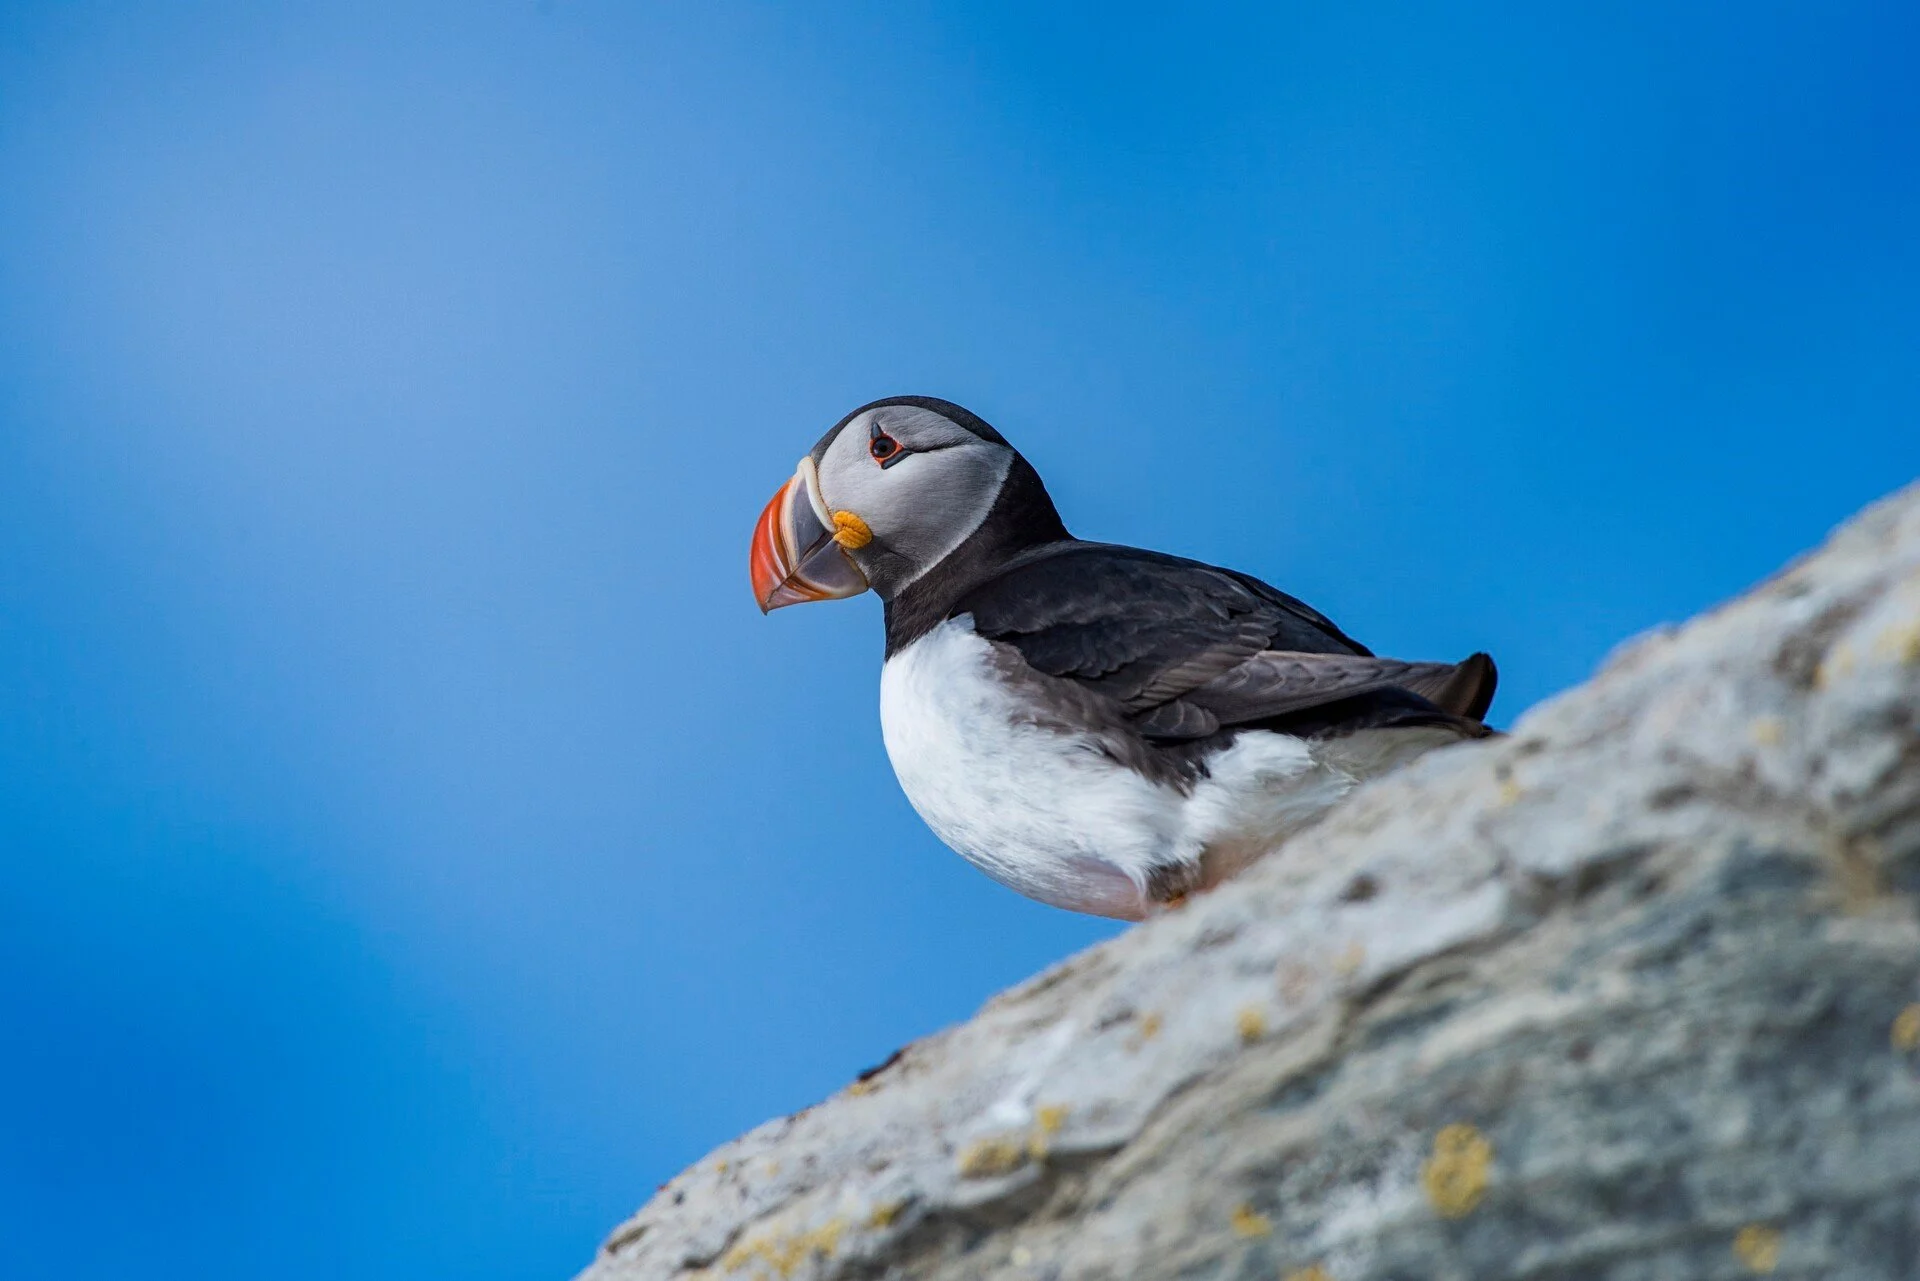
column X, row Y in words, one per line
column 1103, row 728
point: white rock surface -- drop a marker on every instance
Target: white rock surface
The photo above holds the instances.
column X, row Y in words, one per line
column 1633, row 993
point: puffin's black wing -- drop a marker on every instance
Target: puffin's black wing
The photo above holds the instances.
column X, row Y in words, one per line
column 1185, row 649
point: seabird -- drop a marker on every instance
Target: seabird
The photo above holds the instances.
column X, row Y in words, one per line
column 1099, row 727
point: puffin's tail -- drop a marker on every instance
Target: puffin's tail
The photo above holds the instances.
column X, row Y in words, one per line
column 1464, row 690
column 1468, row 689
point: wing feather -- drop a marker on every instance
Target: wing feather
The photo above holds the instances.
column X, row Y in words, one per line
column 1182, row 650
column 1275, row 683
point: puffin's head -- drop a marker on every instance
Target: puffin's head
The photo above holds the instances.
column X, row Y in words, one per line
column 889, row 493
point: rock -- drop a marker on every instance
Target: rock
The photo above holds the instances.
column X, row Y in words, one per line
column 1632, row 993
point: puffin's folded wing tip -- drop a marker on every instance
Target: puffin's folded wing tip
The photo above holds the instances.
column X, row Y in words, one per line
column 1469, row 691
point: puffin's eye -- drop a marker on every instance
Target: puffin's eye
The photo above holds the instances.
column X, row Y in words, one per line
column 884, row 448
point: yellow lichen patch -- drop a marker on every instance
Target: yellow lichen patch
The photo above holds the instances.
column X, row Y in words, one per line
column 1348, row 963
column 1906, row 1029
column 850, row 531
column 784, row 1253
column 860, row 1088
column 1758, row 1246
column 1767, row 731
column 1901, row 644
column 1835, row 666
column 1312, row 1272
column 1150, row 1027
column 1047, row 1121
column 1251, row 1023
column 991, row 1157
column 1509, row 792
column 1456, row 1176
column 721, row 1167
column 884, row 1213
column 1249, row 1222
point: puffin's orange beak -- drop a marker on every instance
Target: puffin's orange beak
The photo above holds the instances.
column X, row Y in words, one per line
column 795, row 557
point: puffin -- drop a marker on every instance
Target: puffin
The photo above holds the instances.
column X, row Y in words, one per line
column 1102, row 728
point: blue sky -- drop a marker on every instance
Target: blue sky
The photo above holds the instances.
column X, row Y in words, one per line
column 405, row 858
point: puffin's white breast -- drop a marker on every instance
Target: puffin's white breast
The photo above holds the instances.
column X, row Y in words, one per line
column 1042, row 811
column 1045, row 811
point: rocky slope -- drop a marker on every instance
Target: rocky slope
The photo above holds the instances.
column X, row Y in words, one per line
column 1633, row 993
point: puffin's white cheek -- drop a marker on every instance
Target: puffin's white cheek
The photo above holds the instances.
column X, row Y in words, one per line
column 923, row 506
column 948, row 500
column 857, row 495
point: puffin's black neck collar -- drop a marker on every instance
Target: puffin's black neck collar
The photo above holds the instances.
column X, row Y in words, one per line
column 1022, row 517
